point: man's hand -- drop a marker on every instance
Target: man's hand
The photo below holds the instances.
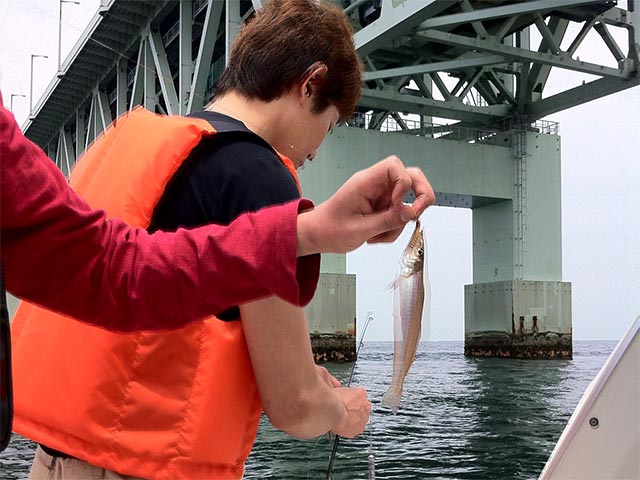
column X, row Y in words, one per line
column 358, row 409
column 327, row 378
column 367, row 208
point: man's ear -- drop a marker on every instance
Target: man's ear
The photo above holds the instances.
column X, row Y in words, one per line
column 313, row 77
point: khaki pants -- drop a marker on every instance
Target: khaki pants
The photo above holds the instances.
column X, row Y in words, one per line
column 46, row 467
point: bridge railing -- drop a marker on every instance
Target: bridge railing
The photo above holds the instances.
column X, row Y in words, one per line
column 396, row 123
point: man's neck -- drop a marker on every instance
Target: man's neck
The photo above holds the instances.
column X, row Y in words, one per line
column 263, row 118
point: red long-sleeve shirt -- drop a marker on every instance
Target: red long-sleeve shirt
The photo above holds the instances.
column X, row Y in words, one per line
column 61, row 254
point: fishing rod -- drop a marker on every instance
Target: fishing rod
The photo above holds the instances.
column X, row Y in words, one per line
column 336, row 440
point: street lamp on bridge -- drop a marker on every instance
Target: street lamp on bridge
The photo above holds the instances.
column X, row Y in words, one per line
column 31, row 83
column 11, row 100
column 60, row 31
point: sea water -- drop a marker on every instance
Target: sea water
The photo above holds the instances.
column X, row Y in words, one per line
column 460, row 418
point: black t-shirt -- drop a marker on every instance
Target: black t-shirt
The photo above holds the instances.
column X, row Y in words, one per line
column 231, row 173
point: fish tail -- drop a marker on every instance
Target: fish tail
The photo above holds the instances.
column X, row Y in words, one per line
column 392, row 398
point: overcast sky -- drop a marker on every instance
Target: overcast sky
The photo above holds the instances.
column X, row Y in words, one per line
column 600, row 191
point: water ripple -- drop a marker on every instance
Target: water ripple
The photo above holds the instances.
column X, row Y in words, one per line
column 460, row 418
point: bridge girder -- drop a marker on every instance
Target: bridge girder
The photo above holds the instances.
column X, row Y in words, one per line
column 477, row 62
column 485, row 48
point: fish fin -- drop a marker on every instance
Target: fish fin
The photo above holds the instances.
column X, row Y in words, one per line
column 391, row 399
column 394, row 283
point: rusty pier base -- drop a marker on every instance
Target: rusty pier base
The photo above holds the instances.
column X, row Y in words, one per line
column 334, row 347
column 518, row 319
column 525, row 345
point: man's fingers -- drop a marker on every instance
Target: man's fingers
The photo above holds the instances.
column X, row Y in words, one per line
column 386, row 237
column 399, row 177
column 408, row 213
column 421, row 203
column 406, row 179
column 387, row 226
column 422, row 189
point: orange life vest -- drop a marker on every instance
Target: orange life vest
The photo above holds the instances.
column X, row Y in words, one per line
column 172, row 405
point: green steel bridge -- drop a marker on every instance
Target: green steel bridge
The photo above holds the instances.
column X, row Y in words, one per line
column 458, row 87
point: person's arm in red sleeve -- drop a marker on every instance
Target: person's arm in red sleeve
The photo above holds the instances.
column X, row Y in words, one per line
column 61, row 254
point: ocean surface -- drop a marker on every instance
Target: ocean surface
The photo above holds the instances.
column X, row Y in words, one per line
column 460, row 418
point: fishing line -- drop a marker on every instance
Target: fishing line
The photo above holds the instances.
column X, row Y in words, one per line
column 336, row 440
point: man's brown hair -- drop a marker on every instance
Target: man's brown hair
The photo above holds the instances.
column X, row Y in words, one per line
column 273, row 52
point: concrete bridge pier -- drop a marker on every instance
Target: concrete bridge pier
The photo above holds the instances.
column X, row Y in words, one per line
column 331, row 316
column 518, row 318
column 518, row 305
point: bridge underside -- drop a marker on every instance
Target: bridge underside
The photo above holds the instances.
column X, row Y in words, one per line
column 455, row 86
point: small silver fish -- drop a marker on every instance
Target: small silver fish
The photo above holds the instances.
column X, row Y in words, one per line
column 408, row 302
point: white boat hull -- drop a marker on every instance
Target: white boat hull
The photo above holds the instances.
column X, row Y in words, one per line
column 602, row 437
